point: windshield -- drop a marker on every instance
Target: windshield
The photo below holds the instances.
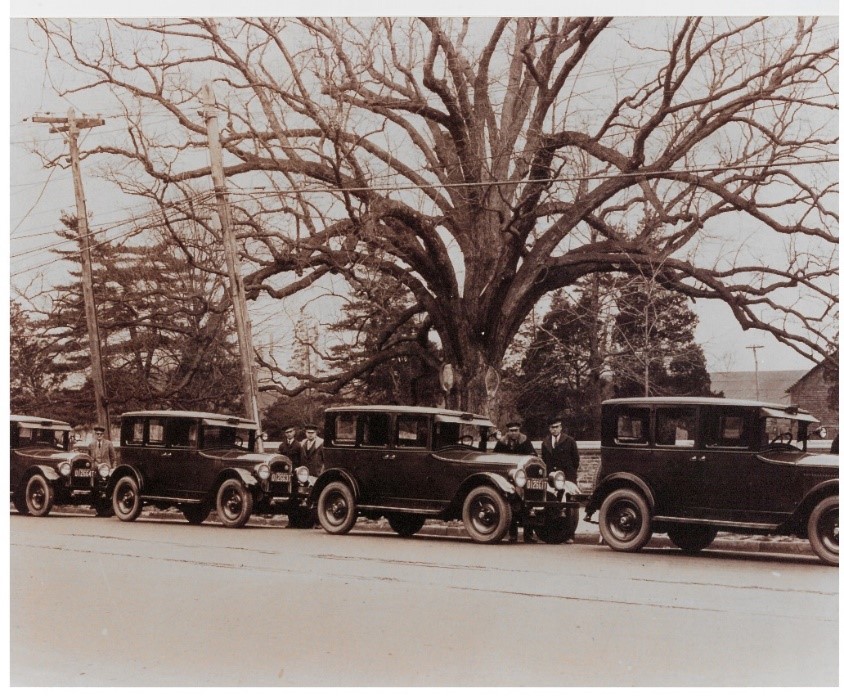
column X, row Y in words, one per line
column 781, row 432
column 229, row 437
column 43, row 436
column 459, row 434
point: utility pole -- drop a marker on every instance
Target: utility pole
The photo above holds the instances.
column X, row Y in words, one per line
column 756, row 367
column 71, row 125
column 236, row 289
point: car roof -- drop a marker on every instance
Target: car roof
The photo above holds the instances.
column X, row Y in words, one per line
column 205, row 416
column 39, row 422
column 399, row 409
column 717, row 401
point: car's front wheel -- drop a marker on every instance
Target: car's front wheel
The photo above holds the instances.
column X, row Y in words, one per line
column 823, row 530
column 39, row 495
column 196, row 513
column 234, row 503
column 486, row 515
column 406, row 524
column 126, row 499
column 625, row 521
column 336, row 508
column 692, row 538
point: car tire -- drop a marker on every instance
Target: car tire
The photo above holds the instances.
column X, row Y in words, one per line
column 692, row 538
column 234, row 503
column 19, row 501
column 625, row 520
column 823, row 530
column 196, row 513
column 126, row 499
column 39, row 495
column 486, row 515
column 406, row 524
column 561, row 530
column 336, row 509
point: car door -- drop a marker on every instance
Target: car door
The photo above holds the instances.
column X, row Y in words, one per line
column 413, row 482
column 374, row 458
column 677, row 474
column 180, row 461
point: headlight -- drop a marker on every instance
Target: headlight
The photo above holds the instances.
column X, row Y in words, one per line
column 520, row 478
column 104, row 471
column 559, row 480
column 302, row 475
column 263, row 471
column 65, row 468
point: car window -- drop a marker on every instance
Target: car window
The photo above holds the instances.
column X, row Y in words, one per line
column 133, row 431
column 183, row 434
column 783, row 431
column 632, row 427
column 728, row 430
column 227, row 437
column 412, row 431
column 156, row 432
column 376, row 430
column 676, row 427
column 345, row 430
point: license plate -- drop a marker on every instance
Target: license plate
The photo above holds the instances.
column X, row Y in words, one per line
column 280, row 477
column 83, row 474
column 536, row 484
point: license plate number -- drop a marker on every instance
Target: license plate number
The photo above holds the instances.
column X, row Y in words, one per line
column 536, row 484
column 279, row 477
column 83, row 474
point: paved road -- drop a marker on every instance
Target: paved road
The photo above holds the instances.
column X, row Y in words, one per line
column 150, row 603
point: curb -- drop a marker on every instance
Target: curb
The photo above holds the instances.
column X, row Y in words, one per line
column 587, row 533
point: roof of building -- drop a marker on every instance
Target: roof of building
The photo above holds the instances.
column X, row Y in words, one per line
column 773, row 384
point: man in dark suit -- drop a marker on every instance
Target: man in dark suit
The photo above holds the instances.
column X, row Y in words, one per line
column 290, row 445
column 559, row 451
column 310, row 451
column 515, row 442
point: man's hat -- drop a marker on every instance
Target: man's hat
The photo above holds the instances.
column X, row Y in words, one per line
column 555, row 420
column 514, row 424
column 100, row 428
column 288, row 427
column 311, row 427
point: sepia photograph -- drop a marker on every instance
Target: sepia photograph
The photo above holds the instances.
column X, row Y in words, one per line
column 350, row 348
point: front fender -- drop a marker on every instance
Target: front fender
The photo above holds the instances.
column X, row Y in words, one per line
column 619, row 481
column 123, row 471
column 50, row 474
column 249, row 479
column 504, row 485
column 333, row 475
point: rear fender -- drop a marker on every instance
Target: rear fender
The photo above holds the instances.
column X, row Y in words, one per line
column 621, row 480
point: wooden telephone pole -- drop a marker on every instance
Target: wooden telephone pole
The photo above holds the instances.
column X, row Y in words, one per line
column 71, row 125
column 236, row 289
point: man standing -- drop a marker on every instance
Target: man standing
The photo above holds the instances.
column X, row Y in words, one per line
column 310, row 451
column 516, row 443
column 101, row 449
column 559, row 451
column 290, row 446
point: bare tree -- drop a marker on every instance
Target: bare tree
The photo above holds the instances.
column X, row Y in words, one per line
column 484, row 163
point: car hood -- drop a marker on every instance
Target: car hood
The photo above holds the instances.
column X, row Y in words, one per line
column 240, row 457
column 52, row 455
column 826, row 460
column 485, row 459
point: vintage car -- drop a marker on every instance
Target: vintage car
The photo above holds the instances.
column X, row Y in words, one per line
column 45, row 471
column 692, row 467
column 196, row 462
column 409, row 464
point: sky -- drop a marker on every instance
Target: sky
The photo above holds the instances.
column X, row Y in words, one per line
column 37, row 195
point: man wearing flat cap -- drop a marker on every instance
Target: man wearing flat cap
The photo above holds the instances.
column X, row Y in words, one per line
column 101, row 449
column 516, row 443
column 559, row 450
column 310, row 451
column 290, row 446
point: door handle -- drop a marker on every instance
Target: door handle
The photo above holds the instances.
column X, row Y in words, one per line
column 166, row 454
column 695, row 458
column 389, row 457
